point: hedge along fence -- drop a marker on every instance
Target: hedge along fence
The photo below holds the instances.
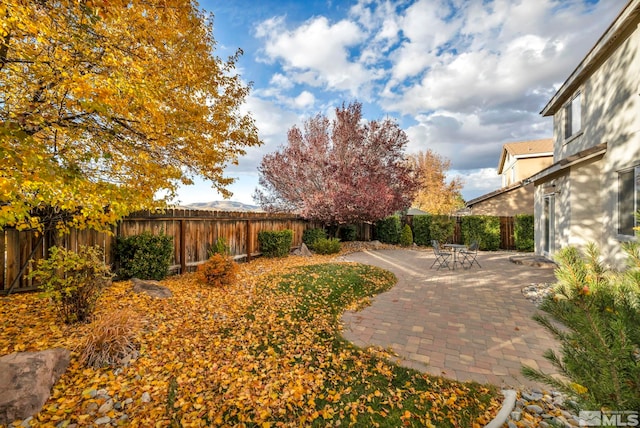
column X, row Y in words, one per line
column 388, row 229
column 193, row 231
column 481, row 228
column 496, row 232
column 524, row 232
column 421, row 229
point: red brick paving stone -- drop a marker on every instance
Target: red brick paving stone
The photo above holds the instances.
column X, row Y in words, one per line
column 471, row 324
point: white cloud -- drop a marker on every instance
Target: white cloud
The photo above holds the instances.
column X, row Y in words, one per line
column 279, row 80
column 273, row 122
column 305, row 100
column 317, row 53
column 477, row 182
column 504, row 50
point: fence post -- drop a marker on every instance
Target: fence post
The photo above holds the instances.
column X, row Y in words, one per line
column 249, row 240
column 183, row 247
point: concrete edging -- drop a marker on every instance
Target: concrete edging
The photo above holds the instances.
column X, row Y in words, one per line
column 507, row 406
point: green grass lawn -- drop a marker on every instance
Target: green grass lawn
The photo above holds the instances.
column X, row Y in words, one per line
column 363, row 387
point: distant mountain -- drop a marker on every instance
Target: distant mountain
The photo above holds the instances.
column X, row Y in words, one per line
column 223, row 206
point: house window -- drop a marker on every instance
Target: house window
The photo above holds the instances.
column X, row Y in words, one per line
column 572, row 117
column 628, row 197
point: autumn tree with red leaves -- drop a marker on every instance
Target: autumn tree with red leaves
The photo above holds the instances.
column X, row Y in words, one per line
column 339, row 172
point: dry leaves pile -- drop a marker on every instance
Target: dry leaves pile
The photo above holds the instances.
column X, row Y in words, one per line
column 243, row 355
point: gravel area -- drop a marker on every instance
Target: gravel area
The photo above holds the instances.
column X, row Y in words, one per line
column 536, row 292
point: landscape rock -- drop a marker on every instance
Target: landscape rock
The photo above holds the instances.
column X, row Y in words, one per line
column 152, row 288
column 535, row 408
column 303, row 251
column 106, row 407
column 26, row 379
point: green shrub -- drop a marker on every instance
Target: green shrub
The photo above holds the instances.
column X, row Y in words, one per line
column 220, row 270
column 144, row 256
column 327, row 246
column 406, row 239
column 219, row 247
column 310, row 236
column 599, row 337
column 348, row 233
column 524, row 232
column 441, row 228
column 275, row 244
column 421, row 225
column 388, row 229
column 73, row 280
column 482, row 228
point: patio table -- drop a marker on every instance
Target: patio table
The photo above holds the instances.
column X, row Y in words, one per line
column 455, row 248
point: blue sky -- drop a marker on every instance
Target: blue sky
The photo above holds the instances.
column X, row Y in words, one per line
column 462, row 77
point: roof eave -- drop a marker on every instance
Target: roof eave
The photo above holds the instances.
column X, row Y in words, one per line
column 569, row 161
column 495, row 193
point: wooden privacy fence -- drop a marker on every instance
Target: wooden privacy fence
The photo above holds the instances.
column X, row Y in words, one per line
column 193, row 231
column 507, row 236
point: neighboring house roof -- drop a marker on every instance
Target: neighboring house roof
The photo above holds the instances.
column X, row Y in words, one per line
column 602, row 49
column 416, row 211
column 495, row 193
column 526, row 149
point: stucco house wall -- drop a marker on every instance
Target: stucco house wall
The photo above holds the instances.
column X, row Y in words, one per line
column 525, row 168
column 509, row 203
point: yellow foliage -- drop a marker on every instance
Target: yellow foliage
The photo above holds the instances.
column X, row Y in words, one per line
column 107, row 103
column 435, row 194
column 234, row 356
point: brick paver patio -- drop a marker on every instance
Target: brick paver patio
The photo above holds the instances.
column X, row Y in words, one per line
column 465, row 324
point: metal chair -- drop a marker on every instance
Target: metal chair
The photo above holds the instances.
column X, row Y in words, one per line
column 442, row 257
column 470, row 255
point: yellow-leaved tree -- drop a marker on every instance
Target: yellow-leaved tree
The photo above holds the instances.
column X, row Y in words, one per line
column 435, row 194
column 106, row 103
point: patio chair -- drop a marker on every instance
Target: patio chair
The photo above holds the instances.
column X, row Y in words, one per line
column 470, row 255
column 442, row 257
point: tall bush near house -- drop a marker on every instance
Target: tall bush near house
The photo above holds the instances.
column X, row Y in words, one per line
column 421, row 225
column 406, row 239
column 481, row 228
column 144, row 256
column 524, row 232
column 388, row 229
column 441, row 228
column 600, row 340
column 73, row 280
column 275, row 244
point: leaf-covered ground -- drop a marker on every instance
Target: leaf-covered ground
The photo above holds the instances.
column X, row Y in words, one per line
column 264, row 352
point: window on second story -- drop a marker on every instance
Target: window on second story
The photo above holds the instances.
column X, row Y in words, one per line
column 572, row 117
column 628, row 200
